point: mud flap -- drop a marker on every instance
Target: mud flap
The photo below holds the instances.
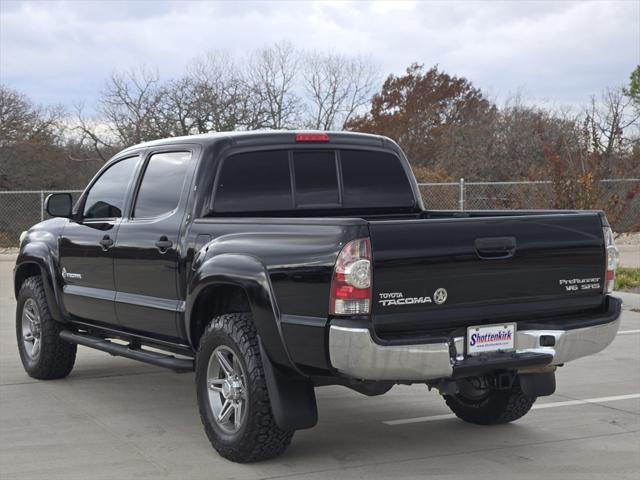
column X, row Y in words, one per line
column 293, row 399
column 538, row 384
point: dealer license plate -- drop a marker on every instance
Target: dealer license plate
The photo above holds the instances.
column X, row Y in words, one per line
column 490, row 338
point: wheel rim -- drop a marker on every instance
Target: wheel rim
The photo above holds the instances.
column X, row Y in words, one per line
column 226, row 387
column 31, row 329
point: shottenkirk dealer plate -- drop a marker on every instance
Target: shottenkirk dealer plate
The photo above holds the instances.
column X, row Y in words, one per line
column 490, row 338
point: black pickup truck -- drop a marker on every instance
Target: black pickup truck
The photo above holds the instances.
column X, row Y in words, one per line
column 272, row 263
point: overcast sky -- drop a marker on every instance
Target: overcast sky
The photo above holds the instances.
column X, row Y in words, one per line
column 559, row 53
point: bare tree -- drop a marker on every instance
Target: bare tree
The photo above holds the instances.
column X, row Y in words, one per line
column 337, row 86
column 272, row 73
column 607, row 121
column 36, row 150
column 130, row 110
column 130, row 103
column 220, row 94
column 95, row 135
column 23, row 121
column 178, row 106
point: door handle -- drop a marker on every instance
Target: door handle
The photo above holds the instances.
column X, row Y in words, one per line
column 491, row 248
column 164, row 244
column 106, row 242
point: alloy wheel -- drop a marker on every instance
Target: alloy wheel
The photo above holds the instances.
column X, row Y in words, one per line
column 31, row 328
column 226, row 385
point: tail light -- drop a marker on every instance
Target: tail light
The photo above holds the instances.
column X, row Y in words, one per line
column 612, row 255
column 351, row 283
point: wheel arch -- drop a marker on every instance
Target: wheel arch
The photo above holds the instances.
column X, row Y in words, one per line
column 245, row 278
column 35, row 260
column 24, row 271
column 215, row 299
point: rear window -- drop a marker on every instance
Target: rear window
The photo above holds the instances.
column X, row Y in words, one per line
column 374, row 179
column 316, row 178
column 277, row 180
column 254, row 182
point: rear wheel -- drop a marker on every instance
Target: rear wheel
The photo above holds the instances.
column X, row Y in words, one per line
column 479, row 404
column 232, row 394
column 44, row 355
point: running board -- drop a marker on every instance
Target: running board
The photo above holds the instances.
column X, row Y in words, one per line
column 115, row 349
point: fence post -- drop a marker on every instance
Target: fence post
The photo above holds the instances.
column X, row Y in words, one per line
column 41, row 205
column 461, row 198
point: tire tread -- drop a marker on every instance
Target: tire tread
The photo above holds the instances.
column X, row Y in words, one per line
column 57, row 357
column 262, row 439
column 501, row 406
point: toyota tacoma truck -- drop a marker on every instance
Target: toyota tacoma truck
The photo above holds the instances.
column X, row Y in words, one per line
column 272, row 263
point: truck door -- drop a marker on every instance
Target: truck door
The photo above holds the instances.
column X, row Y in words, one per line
column 86, row 245
column 147, row 248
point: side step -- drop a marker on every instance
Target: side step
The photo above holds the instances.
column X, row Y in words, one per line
column 154, row 358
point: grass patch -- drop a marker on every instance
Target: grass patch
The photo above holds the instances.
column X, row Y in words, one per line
column 627, row 279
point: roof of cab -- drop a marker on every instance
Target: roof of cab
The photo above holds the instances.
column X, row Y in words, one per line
column 256, row 137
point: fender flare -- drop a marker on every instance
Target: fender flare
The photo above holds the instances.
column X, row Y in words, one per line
column 293, row 400
column 249, row 273
column 39, row 254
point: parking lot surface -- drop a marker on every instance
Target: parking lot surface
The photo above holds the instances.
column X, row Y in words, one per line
column 115, row 418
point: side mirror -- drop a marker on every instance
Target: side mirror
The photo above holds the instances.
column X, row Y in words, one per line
column 59, row 205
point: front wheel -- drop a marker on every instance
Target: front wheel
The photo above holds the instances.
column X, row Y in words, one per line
column 232, row 393
column 486, row 406
column 44, row 354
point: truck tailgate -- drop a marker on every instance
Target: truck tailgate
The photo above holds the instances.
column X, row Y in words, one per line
column 441, row 274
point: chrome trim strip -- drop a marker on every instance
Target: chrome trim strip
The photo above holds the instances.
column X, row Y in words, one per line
column 98, row 293
column 128, row 298
column 150, row 302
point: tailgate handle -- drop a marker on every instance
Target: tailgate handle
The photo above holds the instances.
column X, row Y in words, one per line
column 491, row 248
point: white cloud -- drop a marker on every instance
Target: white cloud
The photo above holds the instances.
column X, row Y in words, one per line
column 561, row 52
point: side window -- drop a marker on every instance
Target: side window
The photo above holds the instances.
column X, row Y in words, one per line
column 161, row 184
column 106, row 196
column 254, row 182
column 316, row 178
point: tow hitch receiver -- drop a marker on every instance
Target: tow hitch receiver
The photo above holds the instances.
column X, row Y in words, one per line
column 473, row 366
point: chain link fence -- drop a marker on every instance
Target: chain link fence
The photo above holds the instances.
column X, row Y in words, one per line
column 21, row 209
column 620, row 198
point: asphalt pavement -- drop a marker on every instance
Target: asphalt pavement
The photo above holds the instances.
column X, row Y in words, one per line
column 113, row 418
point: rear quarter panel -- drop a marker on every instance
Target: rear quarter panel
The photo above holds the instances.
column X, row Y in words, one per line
column 298, row 256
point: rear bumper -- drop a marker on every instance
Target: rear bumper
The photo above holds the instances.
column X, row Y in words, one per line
column 354, row 353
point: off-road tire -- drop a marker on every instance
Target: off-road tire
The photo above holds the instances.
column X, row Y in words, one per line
column 497, row 407
column 259, row 438
column 56, row 356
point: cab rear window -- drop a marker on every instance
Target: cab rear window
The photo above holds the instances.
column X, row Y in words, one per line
column 254, row 182
column 374, row 179
column 280, row 180
column 316, row 178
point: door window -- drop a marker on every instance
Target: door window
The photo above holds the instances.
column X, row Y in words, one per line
column 162, row 184
column 106, row 196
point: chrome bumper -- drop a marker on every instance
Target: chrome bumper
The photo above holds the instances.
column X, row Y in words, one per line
column 354, row 353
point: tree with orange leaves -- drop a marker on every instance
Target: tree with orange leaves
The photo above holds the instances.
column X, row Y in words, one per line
column 418, row 109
